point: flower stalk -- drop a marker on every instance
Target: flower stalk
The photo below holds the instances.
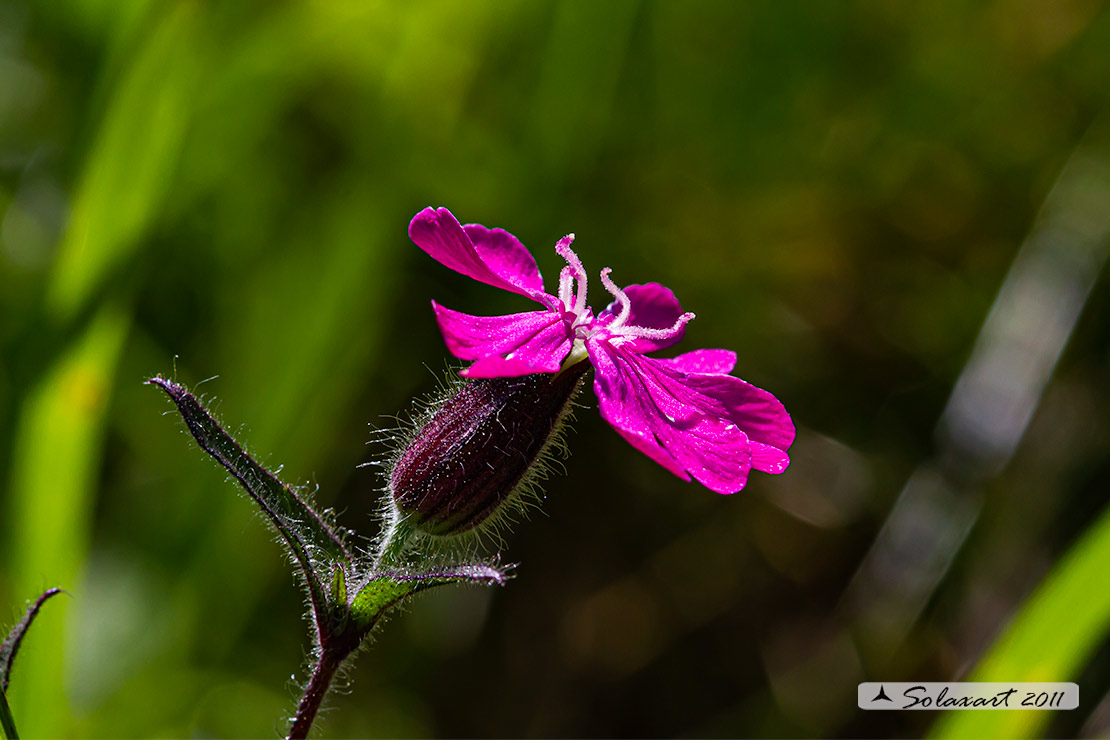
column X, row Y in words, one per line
column 335, row 649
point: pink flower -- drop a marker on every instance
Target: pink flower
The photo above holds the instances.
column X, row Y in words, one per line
column 686, row 413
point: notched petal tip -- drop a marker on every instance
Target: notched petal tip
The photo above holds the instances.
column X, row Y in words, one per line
column 678, row 427
column 713, row 427
column 491, row 256
column 769, row 459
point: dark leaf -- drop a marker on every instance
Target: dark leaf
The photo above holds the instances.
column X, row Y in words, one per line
column 314, row 545
column 10, row 646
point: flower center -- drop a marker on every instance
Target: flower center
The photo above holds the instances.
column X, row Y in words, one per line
column 618, row 327
column 572, row 298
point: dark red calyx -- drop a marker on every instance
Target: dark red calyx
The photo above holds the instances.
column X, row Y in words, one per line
column 471, row 456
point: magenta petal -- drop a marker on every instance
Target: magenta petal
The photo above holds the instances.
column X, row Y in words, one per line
column 502, row 261
column 756, row 411
column 506, row 257
column 713, row 361
column 768, row 458
column 533, row 342
column 642, row 438
column 762, row 417
column 499, row 367
column 654, row 307
column 679, row 426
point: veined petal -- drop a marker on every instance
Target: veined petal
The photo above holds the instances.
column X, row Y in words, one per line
column 506, row 257
column 653, row 306
column 491, row 256
column 762, row 416
column 717, row 361
column 522, row 343
column 683, row 427
column 768, row 458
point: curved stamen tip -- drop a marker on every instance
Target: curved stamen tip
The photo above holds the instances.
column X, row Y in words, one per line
column 679, row 325
column 643, row 332
column 620, row 296
column 562, row 247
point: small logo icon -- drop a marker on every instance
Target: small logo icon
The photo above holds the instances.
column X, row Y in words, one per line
column 881, row 696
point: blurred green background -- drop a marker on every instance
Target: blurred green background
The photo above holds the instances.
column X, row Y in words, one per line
column 836, row 189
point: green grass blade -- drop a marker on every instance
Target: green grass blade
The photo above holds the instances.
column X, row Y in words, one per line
column 59, row 437
column 128, row 168
column 1051, row 639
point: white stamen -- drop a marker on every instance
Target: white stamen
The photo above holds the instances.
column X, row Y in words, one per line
column 578, row 271
column 566, row 287
column 643, row 332
column 622, row 299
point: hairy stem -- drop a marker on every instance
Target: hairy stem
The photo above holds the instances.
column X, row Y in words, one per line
column 317, row 689
column 394, row 543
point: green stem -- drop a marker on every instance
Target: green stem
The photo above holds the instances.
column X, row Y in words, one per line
column 394, row 544
column 6, row 719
